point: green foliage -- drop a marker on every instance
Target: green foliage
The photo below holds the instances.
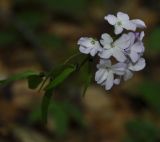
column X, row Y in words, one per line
column 7, row 38
column 18, row 76
column 153, row 41
column 150, row 92
column 142, row 131
column 33, row 19
column 72, row 7
column 60, row 117
column 62, row 112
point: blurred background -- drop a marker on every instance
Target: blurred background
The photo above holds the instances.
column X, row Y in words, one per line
column 39, row 34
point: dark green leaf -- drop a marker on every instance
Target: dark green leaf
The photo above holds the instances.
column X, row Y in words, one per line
column 45, row 104
column 87, row 83
column 61, row 77
column 18, row 76
column 34, row 81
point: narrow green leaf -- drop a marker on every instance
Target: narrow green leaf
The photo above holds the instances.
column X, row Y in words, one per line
column 18, row 76
column 61, row 77
column 34, row 81
column 88, row 77
column 87, row 83
column 45, row 104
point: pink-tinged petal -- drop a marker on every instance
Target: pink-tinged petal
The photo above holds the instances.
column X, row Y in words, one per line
column 134, row 56
column 122, row 16
column 138, row 66
column 128, row 25
column 119, row 68
column 139, row 23
column 106, row 39
column 109, row 81
column 128, row 75
column 138, row 47
column 119, row 55
column 106, row 54
column 111, row 19
column 118, row 29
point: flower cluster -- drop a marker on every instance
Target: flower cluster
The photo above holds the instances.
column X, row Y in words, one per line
column 127, row 50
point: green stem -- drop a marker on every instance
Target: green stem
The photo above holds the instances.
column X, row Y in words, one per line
column 83, row 62
column 71, row 57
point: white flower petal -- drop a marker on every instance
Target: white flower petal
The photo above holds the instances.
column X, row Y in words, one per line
column 134, row 56
column 129, row 25
column 141, row 35
column 111, row 19
column 107, row 46
column 138, row 66
column 119, row 68
column 93, row 52
column 122, row 16
column 118, row 29
column 117, row 81
column 125, row 40
column 109, row 81
column 106, row 39
column 89, row 46
column 128, row 75
column 101, row 76
column 106, row 54
column 139, row 23
column 119, row 55
column 138, row 47
column 84, row 50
